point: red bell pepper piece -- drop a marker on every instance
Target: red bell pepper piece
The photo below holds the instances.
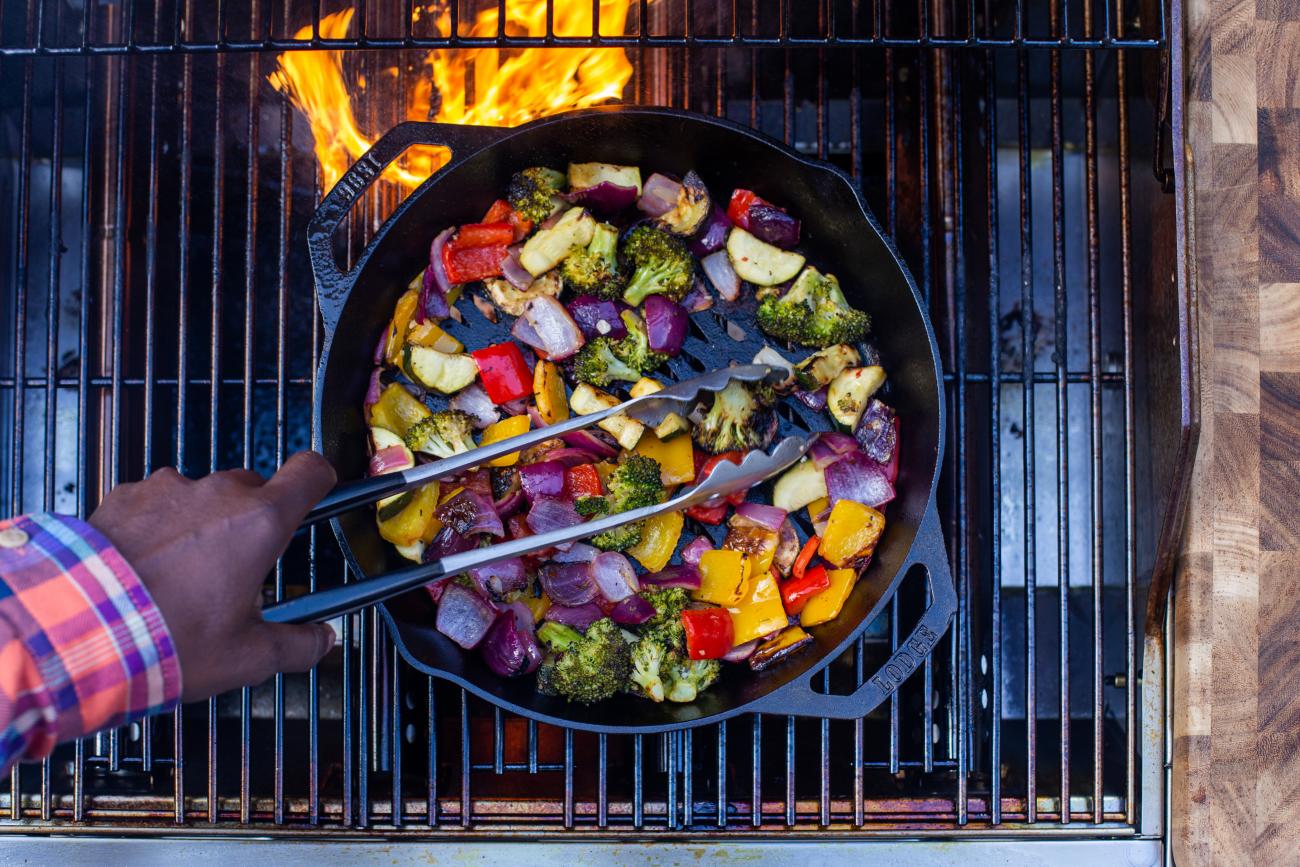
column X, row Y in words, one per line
column 709, row 632
column 796, row 592
column 711, row 515
column 703, row 469
column 506, row 376
column 738, row 207
column 499, row 212
column 467, row 264
column 496, row 234
column 806, row 553
column 582, row 481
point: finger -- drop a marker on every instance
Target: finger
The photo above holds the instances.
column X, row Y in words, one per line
column 288, row 647
column 248, row 478
column 299, row 485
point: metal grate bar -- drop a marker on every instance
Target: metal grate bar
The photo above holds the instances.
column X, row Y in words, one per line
column 992, row 223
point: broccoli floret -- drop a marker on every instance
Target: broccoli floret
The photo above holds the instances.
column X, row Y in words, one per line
column 669, row 603
column 741, row 418
column 635, row 483
column 662, row 262
column 587, row 668
column 591, row 506
column 813, row 313
column 687, row 678
column 442, row 434
column 594, row 269
column 533, row 192
column 648, row 655
column 603, row 360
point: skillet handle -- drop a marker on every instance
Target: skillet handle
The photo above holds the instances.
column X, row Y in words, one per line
column 798, row 695
column 332, row 283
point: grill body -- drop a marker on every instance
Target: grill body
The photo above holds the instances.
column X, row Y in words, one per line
column 157, row 311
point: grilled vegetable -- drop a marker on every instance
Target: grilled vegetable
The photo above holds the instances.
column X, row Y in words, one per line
column 675, row 456
column 545, row 249
column 709, row 633
column 513, row 300
column 851, row 533
column 662, row 265
column 741, row 418
column 686, row 678
column 442, row 434
column 760, row 613
column 397, row 410
column 796, row 591
column 823, row 366
column 658, row 540
column 779, row 647
column 593, row 270
column 534, row 193
column 798, row 486
column 849, row 392
column 605, row 360
column 634, row 484
column 548, row 392
column 585, row 400
column 826, row 605
column 814, row 312
column 672, row 423
column 513, row 426
column 761, row 263
column 439, row 370
column 585, row 175
column 690, row 210
column 506, row 376
column 724, row 577
column 589, row 667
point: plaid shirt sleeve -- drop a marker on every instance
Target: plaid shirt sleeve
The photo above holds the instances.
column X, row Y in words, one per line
column 82, row 645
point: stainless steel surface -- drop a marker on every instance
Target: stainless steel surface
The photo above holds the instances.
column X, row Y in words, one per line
column 155, row 312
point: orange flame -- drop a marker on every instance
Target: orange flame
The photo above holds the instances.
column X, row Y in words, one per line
column 509, row 86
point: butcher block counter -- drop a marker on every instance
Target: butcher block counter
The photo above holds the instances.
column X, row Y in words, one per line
column 1236, row 694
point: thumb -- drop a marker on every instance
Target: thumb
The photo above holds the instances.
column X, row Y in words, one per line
column 290, row 646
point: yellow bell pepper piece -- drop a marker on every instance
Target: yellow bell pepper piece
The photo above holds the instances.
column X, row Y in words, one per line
column 428, row 334
column 397, row 410
column 816, row 507
column 724, row 577
column 675, row 456
column 760, row 613
column 403, row 310
column 851, row 533
column 411, row 523
column 672, row 423
column 538, row 605
column 504, row 430
column 548, row 390
column 659, row 537
column 826, row 605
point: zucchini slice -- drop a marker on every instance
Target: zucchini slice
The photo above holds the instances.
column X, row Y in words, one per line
column 439, row 370
column 849, row 392
column 759, row 262
column 544, row 250
column 585, row 175
column 800, row 485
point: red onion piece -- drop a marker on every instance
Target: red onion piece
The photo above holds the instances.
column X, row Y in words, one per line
column 686, row 575
column 814, row 400
column 471, row 512
column 597, row 317
column 436, row 287
column 463, row 616
column 501, row 577
column 740, row 652
column 381, row 348
column 787, row 549
column 389, row 460
column 510, row 648
column 568, row 583
column 549, row 514
column 717, row 267
column 665, row 324
column 773, row 225
column 875, row 431
column 516, row 274
column 614, row 576
column 581, row 552
column 590, row 441
column 543, row 479
column 632, row 611
column 767, row 517
column 830, row 446
column 473, row 400
column 435, row 589
column 446, row 543
column 374, row 389
column 518, row 406
column 859, row 478
column 699, row 298
column 692, row 550
column 577, row 616
column 510, row 502
column 713, row 234
column 605, row 197
column 572, row 457
column 548, row 328
column 658, row 195
column 891, row 466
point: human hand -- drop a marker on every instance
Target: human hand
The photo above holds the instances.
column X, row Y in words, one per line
column 203, row 549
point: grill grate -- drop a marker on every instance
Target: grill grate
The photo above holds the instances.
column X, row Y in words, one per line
column 165, row 317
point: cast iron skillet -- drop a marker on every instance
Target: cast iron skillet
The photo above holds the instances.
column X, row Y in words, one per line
column 840, row 234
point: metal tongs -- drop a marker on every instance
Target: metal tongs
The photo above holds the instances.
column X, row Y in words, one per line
column 726, row 478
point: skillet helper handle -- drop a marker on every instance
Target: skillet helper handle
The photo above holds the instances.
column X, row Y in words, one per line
column 332, row 282
column 912, row 651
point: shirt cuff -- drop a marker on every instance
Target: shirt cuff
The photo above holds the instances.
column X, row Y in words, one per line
column 102, row 654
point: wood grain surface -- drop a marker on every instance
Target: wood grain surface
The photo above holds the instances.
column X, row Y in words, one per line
column 1236, row 778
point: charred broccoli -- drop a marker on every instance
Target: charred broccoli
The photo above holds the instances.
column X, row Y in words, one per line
column 604, row 360
column 593, row 270
column 813, row 313
column 686, row 678
column 666, row 625
column 442, row 434
column 587, row 667
column 648, row 656
column 533, row 192
column 662, row 262
column 635, row 483
column 741, row 418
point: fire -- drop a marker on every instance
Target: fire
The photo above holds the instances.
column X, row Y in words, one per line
column 489, row 86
